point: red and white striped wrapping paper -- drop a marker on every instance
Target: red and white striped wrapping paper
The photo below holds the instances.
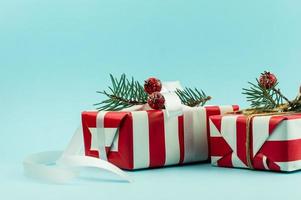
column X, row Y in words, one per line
column 147, row 139
column 275, row 142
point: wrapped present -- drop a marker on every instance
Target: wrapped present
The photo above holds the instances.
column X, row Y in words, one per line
column 266, row 136
column 149, row 138
column 263, row 142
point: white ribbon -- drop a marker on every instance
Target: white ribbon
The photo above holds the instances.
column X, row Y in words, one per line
column 173, row 104
column 61, row 167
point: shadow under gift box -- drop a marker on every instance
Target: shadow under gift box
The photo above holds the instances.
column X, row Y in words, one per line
column 274, row 142
column 148, row 139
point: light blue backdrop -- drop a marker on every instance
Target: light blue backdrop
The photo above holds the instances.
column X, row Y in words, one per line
column 55, row 54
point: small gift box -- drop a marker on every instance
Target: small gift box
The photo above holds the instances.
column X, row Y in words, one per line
column 266, row 136
column 268, row 142
column 149, row 138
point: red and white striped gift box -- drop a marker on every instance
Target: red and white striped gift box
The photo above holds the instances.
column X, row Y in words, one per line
column 147, row 139
column 274, row 142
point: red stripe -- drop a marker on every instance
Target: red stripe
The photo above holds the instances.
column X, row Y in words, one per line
column 219, row 147
column 124, row 159
column 210, row 110
column 156, row 138
column 116, row 159
column 226, row 161
column 282, row 151
column 274, row 122
column 181, row 137
column 258, row 162
column 293, row 116
column 273, row 166
column 113, row 119
column 251, row 141
column 89, row 120
column 241, row 138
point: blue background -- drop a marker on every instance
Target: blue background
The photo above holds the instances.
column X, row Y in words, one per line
column 55, row 54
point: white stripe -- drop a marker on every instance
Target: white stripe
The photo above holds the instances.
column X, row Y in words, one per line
column 172, row 146
column 100, row 138
column 236, row 162
column 200, row 132
column 140, row 139
column 214, row 159
column 188, row 135
column 289, row 166
column 264, row 162
column 287, row 130
column 195, row 135
column 228, row 130
column 114, row 141
column 110, row 135
column 214, row 132
column 94, row 140
column 225, row 109
column 260, row 132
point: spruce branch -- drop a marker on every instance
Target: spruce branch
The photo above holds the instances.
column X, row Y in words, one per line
column 263, row 98
column 281, row 95
column 192, row 98
column 124, row 93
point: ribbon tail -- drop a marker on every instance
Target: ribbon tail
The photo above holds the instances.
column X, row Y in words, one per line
column 86, row 161
column 61, row 167
column 42, row 166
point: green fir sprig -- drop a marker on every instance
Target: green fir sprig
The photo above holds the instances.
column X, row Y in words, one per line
column 192, row 98
column 261, row 97
column 123, row 93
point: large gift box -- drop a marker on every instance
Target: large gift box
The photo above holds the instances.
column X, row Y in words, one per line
column 151, row 138
column 264, row 142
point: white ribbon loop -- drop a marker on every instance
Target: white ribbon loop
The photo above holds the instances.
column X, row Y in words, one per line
column 173, row 104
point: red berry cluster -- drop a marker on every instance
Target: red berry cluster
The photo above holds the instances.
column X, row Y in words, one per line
column 155, row 100
column 267, row 80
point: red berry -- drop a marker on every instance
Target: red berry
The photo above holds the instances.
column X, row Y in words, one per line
column 267, row 80
column 156, row 101
column 152, row 85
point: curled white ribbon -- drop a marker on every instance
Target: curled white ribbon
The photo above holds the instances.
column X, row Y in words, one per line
column 62, row 167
